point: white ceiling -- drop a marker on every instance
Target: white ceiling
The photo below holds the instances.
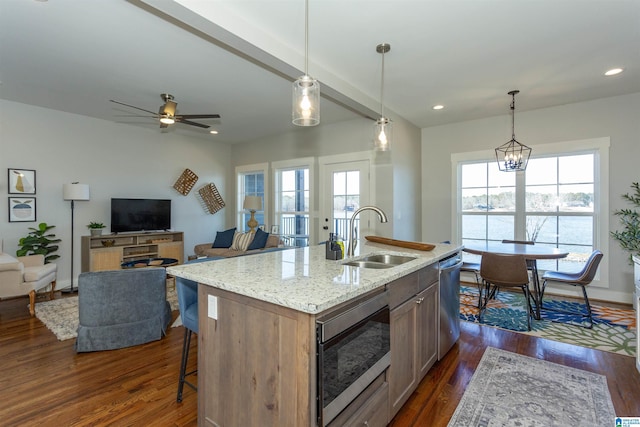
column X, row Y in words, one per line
column 76, row 55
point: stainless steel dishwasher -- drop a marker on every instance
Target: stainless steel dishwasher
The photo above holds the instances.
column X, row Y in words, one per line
column 449, row 286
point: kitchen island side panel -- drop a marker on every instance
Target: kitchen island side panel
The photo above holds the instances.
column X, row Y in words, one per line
column 255, row 363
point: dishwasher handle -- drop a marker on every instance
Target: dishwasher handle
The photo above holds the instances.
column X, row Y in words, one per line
column 451, row 268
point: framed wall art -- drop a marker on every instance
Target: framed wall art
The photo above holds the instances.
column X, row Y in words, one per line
column 22, row 209
column 22, row 181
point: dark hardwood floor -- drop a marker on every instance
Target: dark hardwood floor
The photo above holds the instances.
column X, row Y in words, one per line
column 44, row 382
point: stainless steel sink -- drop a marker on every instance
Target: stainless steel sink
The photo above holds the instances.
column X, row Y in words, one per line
column 389, row 259
column 368, row 264
column 380, row 261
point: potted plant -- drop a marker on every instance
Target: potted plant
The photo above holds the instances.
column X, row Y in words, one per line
column 96, row 228
column 629, row 236
column 39, row 242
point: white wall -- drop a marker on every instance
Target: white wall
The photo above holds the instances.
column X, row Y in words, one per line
column 397, row 173
column 116, row 160
column 615, row 117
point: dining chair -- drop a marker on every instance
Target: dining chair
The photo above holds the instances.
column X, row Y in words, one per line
column 187, row 291
column 504, row 271
column 581, row 278
column 531, row 263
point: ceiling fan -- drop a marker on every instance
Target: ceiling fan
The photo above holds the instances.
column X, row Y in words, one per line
column 167, row 113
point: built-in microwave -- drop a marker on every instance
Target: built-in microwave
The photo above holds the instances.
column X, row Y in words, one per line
column 353, row 350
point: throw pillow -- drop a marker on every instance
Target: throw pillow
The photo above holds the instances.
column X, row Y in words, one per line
column 241, row 241
column 224, row 239
column 259, row 241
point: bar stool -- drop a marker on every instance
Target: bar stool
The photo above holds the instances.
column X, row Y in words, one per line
column 187, row 291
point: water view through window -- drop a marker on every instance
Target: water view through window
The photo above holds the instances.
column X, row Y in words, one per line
column 552, row 203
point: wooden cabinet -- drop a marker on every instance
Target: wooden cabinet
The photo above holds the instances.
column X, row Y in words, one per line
column 414, row 334
column 256, row 362
column 130, row 247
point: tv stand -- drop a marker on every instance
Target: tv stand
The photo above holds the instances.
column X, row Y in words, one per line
column 96, row 256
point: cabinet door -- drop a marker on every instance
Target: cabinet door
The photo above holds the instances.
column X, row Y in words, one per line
column 171, row 250
column 106, row 259
column 403, row 370
column 427, row 329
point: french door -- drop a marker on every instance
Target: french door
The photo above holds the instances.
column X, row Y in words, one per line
column 345, row 187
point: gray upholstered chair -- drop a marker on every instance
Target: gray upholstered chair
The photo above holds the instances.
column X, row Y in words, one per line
column 504, row 271
column 121, row 308
column 581, row 278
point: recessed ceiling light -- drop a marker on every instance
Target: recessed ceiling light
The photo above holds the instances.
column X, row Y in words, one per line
column 213, row 132
column 438, row 107
column 613, row 72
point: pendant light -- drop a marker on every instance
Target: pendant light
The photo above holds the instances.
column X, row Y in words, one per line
column 383, row 129
column 306, row 90
column 513, row 156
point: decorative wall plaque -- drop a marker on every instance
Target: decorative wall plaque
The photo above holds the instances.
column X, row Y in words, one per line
column 185, row 183
column 210, row 198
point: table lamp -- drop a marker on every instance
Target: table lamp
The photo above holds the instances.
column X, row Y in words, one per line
column 252, row 204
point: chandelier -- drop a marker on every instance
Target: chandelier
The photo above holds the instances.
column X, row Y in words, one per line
column 513, row 156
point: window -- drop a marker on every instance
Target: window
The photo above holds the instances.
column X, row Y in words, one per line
column 293, row 199
column 251, row 182
column 558, row 201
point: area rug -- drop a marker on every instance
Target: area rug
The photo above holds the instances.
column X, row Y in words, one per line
column 614, row 329
column 60, row 315
column 509, row 389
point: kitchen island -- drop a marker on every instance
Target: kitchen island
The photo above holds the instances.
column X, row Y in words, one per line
column 257, row 342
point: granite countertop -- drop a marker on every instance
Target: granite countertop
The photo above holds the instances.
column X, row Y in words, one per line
column 302, row 279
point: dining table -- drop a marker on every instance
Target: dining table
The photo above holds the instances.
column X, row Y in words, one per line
column 530, row 252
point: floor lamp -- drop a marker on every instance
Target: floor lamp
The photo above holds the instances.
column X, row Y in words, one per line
column 73, row 192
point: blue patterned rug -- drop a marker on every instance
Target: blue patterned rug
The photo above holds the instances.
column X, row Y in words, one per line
column 614, row 329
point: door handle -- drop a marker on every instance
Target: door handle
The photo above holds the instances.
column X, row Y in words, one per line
column 325, row 227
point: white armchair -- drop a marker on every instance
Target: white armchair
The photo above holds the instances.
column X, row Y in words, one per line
column 25, row 275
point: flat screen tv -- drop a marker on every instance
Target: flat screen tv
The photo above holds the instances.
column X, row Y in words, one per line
column 129, row 215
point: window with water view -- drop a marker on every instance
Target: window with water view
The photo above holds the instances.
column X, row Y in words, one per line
column 552, row 203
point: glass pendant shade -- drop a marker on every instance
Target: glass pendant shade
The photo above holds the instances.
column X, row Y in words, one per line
column 513, row 156
column 382, row 134
column 306, row 101
column 383, row 129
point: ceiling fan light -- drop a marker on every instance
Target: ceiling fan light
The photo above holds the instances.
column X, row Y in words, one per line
column 167, row 120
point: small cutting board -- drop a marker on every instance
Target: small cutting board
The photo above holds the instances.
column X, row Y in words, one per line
column 401, row 243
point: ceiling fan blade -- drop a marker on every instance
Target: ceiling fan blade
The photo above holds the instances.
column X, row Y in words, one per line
column 198, row 116
column 187, row 122
column 137, row 108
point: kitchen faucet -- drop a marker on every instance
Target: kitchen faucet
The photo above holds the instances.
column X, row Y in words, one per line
column 352, row 240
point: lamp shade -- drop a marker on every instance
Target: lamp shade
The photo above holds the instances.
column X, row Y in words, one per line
column 252, row 203
column 75, row 191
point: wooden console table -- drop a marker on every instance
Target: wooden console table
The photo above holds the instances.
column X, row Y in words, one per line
column 130, row 247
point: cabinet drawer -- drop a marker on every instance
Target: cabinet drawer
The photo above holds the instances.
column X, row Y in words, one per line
column 428, row 276
column 375, row 412
column 402, row 289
